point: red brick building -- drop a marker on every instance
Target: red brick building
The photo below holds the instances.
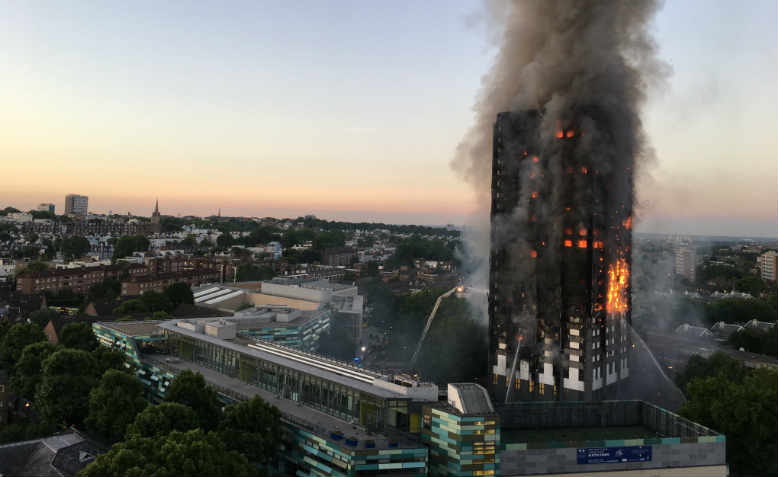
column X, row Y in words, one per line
column 138, row 285
column 77, row 279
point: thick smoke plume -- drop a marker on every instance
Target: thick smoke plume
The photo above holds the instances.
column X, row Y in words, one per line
column 559, row 56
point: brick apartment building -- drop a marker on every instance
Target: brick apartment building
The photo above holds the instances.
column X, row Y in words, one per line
column 77, row 279
column 138, row 285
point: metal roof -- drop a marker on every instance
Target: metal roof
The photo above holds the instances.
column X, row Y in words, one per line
column 308, row 363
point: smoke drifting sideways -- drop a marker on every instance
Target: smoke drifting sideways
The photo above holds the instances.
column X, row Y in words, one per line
column 563, row 58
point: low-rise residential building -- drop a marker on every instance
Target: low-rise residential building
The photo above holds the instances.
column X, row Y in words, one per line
column 77, row 279
column 139, row 284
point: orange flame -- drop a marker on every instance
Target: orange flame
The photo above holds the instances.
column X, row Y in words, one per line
column 568, row 243
column 534, row 195
column 582, row 232
column 598, row 244
column 535, row 159
column 533, row 254
column 618, row 275
column 582, row 244
column 627, row 223
column 560, row 134
column 570, row 133
column 584, row 170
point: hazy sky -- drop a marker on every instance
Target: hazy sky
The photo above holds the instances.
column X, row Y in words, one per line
column 347, row 110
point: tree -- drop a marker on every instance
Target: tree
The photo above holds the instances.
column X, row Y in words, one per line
column 247, row 272
column 75, row 247
column 114, row 403
column 189, row 388
column 136, row 305
column 718, row 364
column 106, row 358
column 129, row 244
column 756, row 340
column 16, row 339
column 751, row 284
column 162, row 419
column 225, row 241
column 42, row 317
column 9, row 210
column 79, row 335
column 189, row 242
column 738, row 310
column 35, row 268
column 63, row 394
column 252, row 428
column 179, row 293
column 334, row 238
column 155, row 301
column 29, row 368
column 108, row 290
column 191, row 453
column 745, row 412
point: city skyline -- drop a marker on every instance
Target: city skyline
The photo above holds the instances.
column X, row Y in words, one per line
column 273, row 114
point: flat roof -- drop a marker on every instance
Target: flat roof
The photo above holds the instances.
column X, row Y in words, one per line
column 473, row 398
column 133, row 328
column 314, row 365
column 298, row 413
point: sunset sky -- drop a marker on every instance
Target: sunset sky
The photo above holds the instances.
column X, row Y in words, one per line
column 348, row 110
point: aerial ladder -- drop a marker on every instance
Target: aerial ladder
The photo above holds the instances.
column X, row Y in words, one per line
column 431, row 317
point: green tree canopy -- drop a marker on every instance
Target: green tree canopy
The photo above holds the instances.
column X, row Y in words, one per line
column 129, row 244
column 247, row 272
column 42, row 317
column 162, row 419
column 16, row 339
column 738, row 310
column 179, row 293
column 155, row 301
column 718, row 364
column 191, row 453
column 330, row 239
column 745, row 411
column 107, row 358
column 114, row 403
column 63, row 394
column 29, row 368
column 750, row 284
column 108, row 290
column 75, row 247
column 252, row 428
column 34, row 268
column 189, row 388
column 416, row 247
column 756, row 341
column 78, row 335
column 135, row 305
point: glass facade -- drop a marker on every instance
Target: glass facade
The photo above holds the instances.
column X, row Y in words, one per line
column 344, row 402
column 461, row 445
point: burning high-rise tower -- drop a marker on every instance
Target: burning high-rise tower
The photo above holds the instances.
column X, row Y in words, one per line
column 559, row 278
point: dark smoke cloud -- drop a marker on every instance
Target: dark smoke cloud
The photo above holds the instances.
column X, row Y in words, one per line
column 557, row 55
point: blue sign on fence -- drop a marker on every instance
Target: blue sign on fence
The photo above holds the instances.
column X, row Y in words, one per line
column 612, row 455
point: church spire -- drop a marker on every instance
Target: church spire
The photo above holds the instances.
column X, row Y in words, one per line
column 156, row 207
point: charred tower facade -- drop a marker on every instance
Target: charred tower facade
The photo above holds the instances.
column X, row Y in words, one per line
column 559, row 278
